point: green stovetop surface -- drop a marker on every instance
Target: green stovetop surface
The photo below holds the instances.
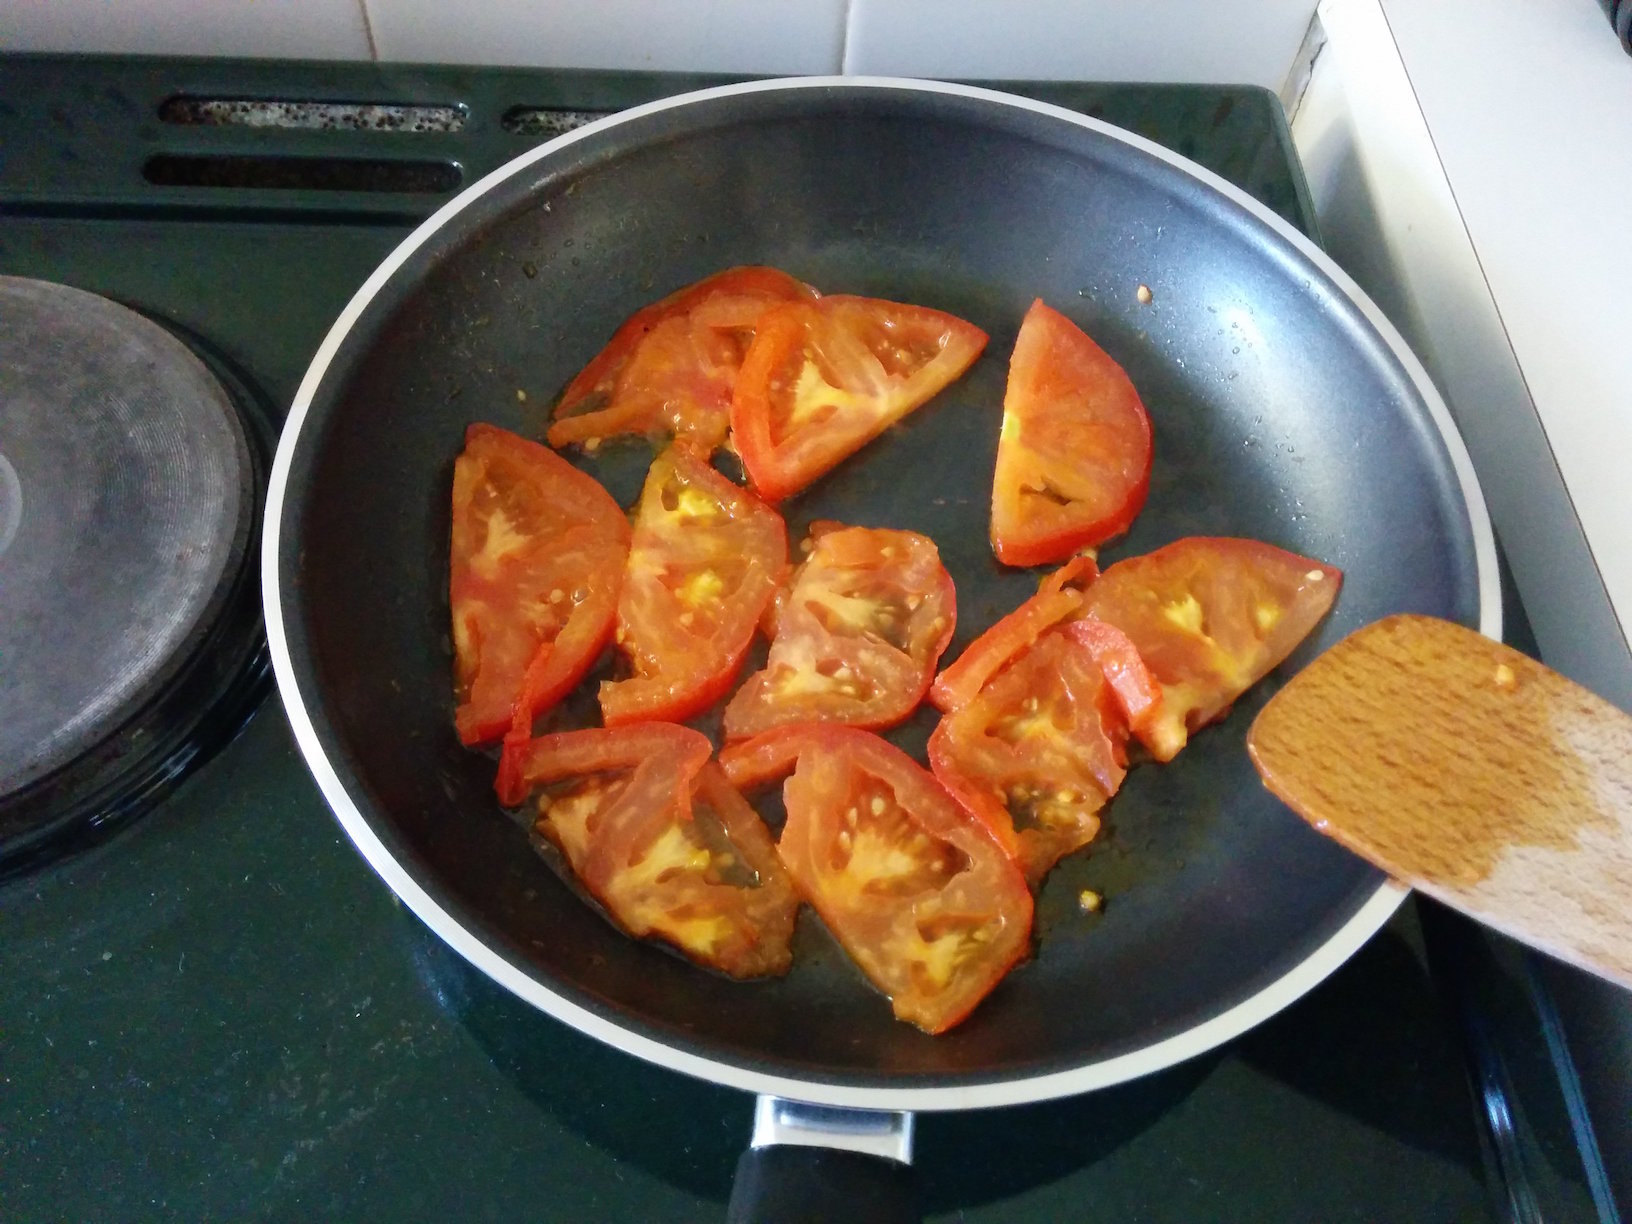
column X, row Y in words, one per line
column 223, row 1014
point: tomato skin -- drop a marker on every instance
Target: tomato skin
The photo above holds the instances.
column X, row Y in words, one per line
column 823, row 378
column 673, row 365
column 1210, row 617
column 659, row 836
column 768, row 756
column 1137, row 693
column 924, row 899
column 669, row 751
column 705, row 560
column 857, row 636
column 1044, row 740
column 1074, row 453
column 1077, row 574
column 536, row 557
column 1059, row 599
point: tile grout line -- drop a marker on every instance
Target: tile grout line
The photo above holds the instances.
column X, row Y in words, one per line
column 844, row 37
column 368, row 31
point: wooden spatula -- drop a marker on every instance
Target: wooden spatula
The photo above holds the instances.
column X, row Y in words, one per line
column 1470, row 771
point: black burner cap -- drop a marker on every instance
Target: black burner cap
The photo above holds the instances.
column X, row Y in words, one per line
column 128, row 503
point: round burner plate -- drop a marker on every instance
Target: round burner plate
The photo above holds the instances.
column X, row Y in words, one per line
column 127, row 505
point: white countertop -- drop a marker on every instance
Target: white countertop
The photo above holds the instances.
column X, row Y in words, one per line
column 1530, row 107
column 1472, row 164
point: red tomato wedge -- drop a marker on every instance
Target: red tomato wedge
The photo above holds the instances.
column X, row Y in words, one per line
column 1037, row 752
column 672, row 366
column 704, row 562
column 1073, row 457
column 824, row 378
column 922, row 898
column 662, row 840
column 857, row 635
column 1210, row 617
column 537, row 554
column 1058, row 599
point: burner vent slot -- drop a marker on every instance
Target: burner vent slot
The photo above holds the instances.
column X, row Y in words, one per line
column 302, row 173
column 187, row 111
column 546, row 120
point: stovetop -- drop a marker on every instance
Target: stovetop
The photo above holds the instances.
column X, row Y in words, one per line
column 221, row 1012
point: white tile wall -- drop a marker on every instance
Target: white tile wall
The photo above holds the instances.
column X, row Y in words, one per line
column 298, row 29
column 1235, row 41
column 769, row 36
column 1250, row 41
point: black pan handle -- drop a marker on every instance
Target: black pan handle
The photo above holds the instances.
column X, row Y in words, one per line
column 815, row 1164
column 790, row 1184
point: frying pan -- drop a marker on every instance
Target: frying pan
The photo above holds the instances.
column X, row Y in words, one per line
column 1284, row 407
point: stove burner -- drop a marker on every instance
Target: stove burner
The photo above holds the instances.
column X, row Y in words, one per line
column 129, row 500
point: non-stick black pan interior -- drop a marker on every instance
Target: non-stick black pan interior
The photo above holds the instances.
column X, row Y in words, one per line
column 1279, row 414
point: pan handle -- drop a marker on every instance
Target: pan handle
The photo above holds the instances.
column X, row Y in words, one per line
column 812, row 1164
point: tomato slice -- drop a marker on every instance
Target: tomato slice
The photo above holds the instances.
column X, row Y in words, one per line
column 824, row 378
column 705, row 560
column 1073, row 457
column 672, row 365
column 1058, row 599
column 662, row 840
column 536, row 559
column 923, row 898
column 857, row 636
column 1037, row 752
column 1210, row 617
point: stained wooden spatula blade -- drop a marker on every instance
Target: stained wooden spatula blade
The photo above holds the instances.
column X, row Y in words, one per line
column 1471, row 772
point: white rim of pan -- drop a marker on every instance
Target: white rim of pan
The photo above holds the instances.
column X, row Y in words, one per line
column 1291, row 986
